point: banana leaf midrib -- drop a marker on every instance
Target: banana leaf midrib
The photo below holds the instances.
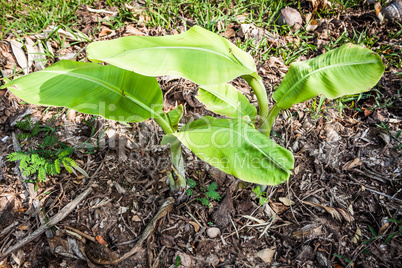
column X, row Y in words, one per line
column 319, row 70
column 234, row 59
column 108, row 86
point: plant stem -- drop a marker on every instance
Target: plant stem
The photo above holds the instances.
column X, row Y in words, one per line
column 163, row 123
column 258, row 87
column 176, row 158
column 272, row 114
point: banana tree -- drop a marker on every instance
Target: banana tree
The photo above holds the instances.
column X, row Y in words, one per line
column 127, row 90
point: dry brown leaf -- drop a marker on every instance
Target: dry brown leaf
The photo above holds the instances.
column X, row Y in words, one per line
column 318, row 4
column 241, row 18
column 34, row 54
column 377, row 8
column 253, row 219
column 286, row 201
column 195, row 225
column 266, row 255
column 270, row 212
column 344, row 214
column 106, row 31
column 101, row 240
column 357, row 235
column 336, row 213
column 100, row 11
column 77, row 36
column 23, row 227
column 19, row 54
column 297, row 169
column 229, row 32
column 130, row 30
column 136, row 218
column 352, row 163
column 278, row 207
column 49, row 47
column 29, row 44
column 308, row 17
column 350, row 209
column 312, row 25
column 383, row 229
column 310, row 230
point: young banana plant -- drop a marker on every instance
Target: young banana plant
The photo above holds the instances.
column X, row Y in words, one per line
column 127, row 90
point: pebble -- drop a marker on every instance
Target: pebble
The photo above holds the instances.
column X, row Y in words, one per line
column 213, row 232
column 290, row 16
column 393, row 11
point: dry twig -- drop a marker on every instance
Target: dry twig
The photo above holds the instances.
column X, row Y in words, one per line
column 165, row 208
column 53, row 220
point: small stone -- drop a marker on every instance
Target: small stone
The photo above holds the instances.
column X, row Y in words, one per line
column 393, row 11
column 290, row 16
column 213, row 232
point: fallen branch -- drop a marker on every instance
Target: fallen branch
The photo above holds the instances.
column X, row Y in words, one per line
column 165, row 208
column 52, row 221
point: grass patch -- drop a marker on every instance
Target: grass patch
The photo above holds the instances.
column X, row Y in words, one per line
column 33, row 16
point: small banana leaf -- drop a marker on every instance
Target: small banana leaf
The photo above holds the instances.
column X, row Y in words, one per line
column 226, row 100
column 349, row 69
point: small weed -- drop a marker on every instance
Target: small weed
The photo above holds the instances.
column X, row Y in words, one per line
column 384, row 127
column 207, row 193
column 178, row 260
column 385, row 238
column 47, row 158
column 261, row 195
column 348, row 260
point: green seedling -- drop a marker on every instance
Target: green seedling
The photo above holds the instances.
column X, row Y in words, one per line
column 127, row 90
column 46, row 160
column 208, row 192
column 178, row 260
column 262, row 199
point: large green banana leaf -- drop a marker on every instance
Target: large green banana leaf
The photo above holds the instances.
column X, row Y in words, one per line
column 198, row 55
column 226, row 100
column 91, row 88
column 236, row 148
column 349, row 69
